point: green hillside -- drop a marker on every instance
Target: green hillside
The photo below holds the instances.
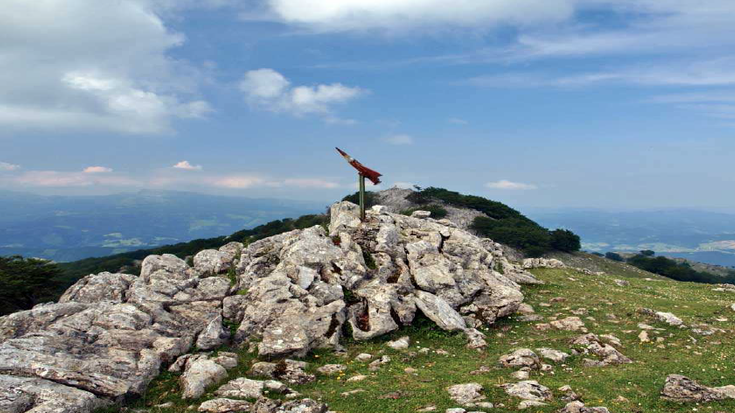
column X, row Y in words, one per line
column 608, row 305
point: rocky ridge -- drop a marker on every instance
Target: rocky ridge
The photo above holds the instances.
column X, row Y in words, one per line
column 111, row 334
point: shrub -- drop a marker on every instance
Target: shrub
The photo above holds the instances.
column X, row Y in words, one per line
column 648, row 253
column 565, row 240
column 25, row 282
column 531, row 238
column 370, row 199
column 614, row 256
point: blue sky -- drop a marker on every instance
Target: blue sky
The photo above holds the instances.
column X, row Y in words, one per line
column 551, row 103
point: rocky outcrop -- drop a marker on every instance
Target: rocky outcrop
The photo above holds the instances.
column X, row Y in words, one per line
column 110, row 334
column 304, row 286
column 684, row 390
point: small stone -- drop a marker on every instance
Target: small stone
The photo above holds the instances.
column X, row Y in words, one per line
column 528, row 390
column 530, row 403
column 466, row 394
column 643, row 337
column 400, row 344
column 521, row 358
column 359, row 377
column 552, row 355
column 364, row 357
column 331, row 369
column 579, row 407
column 521, row 375
column 352, row 392
column 568, row 324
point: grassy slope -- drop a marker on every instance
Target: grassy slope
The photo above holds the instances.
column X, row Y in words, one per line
column 706, row 359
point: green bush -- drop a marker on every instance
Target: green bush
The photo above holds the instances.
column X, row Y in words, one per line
column 25, row 282
column 614, row 256
column 565, row 240
column 531, row 238
column 370, row 199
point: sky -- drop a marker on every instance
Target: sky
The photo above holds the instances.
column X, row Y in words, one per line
column 536, row 103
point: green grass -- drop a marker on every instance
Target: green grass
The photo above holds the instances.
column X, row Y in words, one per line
column 708, row 360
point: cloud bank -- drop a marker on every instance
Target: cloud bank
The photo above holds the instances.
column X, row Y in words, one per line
column 269, row 90
column 89, row 65
column 509, row 185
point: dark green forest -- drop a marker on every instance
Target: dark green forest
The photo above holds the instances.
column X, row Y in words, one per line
column 674, row 270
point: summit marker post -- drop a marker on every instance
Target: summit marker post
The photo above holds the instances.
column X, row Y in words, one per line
column 362, row 173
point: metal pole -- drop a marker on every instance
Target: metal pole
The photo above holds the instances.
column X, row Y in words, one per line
column 361, row 181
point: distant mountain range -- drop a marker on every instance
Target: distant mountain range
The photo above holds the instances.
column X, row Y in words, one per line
column 68, row 228
column 703, row 236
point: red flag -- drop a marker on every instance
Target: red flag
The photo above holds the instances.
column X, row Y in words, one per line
column 368, row 173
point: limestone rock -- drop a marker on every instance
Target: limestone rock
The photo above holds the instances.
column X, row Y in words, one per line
column 296, row 406
column 663, row 317
column 400, row 344
column 223, row 405
column 97, row 288
column 200, row 372
column 591, row 344
column 530, row 263
column 290, row 371
column 36, row 319
column 684, row 390
column 521, row 358
column 466, row 394
column 213, row 336
column 243, row 388
column 331, row 369
column 569, row 324
column 22, row 394
column 528, row 390
column 579, row 407
column 552, row 355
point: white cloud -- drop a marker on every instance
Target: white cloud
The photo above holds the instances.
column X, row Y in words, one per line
column 715, row 72
column 89, row 65
column 239, row 182
column 97, row 170
column 311, row 183
column 5, row 166
column 187, row 166
column 508, row 185
column 400, row 139
column 347, row 15
column 70, row 179
column 270, row 90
